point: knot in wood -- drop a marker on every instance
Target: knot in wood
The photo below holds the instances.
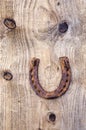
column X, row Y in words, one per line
column 9, row 23
column 52, row 117
column 7, row 75
column 63, row 27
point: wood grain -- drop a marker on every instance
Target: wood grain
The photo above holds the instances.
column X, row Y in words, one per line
column 37, row 35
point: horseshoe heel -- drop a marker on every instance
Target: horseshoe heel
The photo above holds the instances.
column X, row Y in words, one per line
column 64, row 83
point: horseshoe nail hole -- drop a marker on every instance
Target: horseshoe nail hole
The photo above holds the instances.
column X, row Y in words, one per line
column 31, row 70
column 35, row 86
column 67, row 75
column 64, row 86
column 51, row 117
column 63, row 27
column 7, row 75
column 32, row 80
column 10, row 23
column 66, row 81
column 39, row 91
column 67, row 62
column 67, row 68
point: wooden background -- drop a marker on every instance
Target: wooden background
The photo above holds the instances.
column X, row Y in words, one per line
column 36, row 35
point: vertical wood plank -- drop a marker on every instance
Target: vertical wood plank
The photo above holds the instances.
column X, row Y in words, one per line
column 37, row 35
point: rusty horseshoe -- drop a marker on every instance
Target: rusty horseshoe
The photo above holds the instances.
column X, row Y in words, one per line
column 64, row 83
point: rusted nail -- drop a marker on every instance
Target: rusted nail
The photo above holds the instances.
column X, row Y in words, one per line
column 7, row 75
column 10, row 23
column 64, row 83
column 63, row 27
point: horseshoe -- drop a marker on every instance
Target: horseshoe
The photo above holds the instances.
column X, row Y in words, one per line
column 64, row 83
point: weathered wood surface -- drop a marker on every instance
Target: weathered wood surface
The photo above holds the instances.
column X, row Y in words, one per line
column 20, row 107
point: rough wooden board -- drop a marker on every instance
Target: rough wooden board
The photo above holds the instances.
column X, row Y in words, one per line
column 20, row 108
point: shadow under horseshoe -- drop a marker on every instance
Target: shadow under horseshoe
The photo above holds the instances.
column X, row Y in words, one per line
column 64, row 83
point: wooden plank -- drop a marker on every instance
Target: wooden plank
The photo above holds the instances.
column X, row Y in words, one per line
column 37, row 35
